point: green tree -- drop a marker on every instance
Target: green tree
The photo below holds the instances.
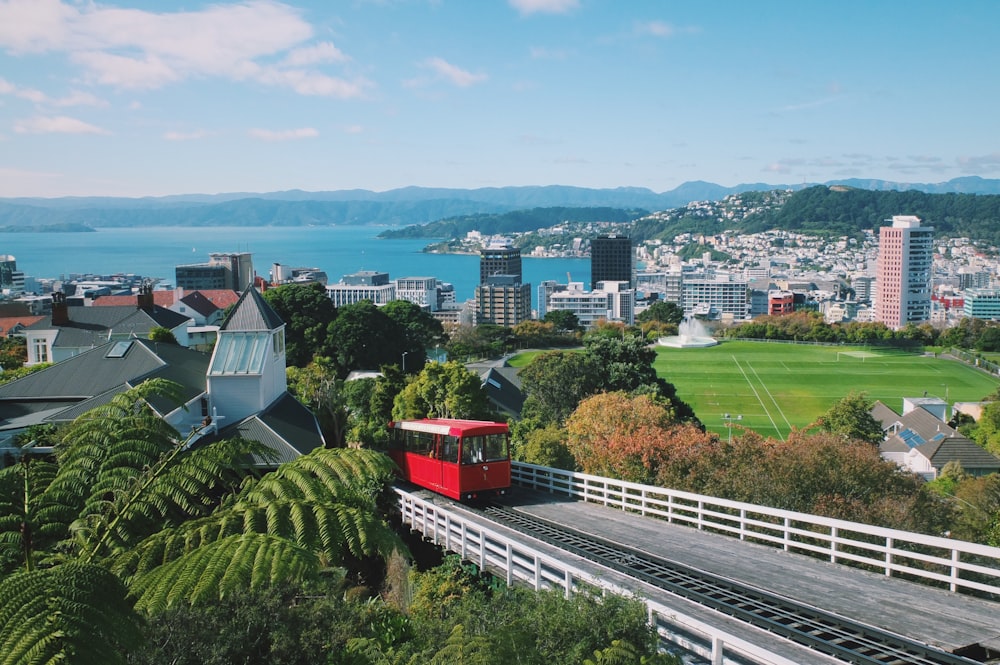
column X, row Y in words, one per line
column 555, row 382
column 563, row 319
column 547, row 447
column 162, row 335
column 307, row 312
column 421, row 331
column 443, row 390
column 316, row 385
column 852, row 417
column 662, row 311
column 366, row 339
column 129, row 519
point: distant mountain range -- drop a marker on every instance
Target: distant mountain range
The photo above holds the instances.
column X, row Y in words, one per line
column 396, row 207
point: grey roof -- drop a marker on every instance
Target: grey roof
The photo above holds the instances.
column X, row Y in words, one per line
column 252, row 313
column 90, row 326
column 286, row 426
column 924, row 432
column 884, row 415
column 59, row 392
column 503, row 388
column 197, row 301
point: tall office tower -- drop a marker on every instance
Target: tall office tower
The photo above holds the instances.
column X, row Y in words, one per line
column 903, row 272
column 610, row 259
column 499, row 260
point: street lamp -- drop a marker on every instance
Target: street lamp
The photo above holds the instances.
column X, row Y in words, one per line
column 405, row 353
column 729, row 423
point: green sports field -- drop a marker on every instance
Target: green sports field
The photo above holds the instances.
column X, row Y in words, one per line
column 775, row 387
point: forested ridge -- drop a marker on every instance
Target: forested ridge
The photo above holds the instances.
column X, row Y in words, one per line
column 845, row 211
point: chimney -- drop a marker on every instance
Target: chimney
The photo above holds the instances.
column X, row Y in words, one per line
column 60, row 310
column 145, row 298
column 178, row 294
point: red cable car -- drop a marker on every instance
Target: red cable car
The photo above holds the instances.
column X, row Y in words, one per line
column 462, row 459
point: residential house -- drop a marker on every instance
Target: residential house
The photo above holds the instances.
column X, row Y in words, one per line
column 69, row 331
column 923, row 443
column 239, row 390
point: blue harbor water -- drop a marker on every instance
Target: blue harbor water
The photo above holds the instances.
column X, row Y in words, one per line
column 153, row 252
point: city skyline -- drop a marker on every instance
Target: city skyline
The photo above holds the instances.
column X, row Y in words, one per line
column 140, row 98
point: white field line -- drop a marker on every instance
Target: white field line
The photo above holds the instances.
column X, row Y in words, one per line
column 774, row 401
column 757, row 395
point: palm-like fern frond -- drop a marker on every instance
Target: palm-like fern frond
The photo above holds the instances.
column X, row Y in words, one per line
column 72, row 613
column 32, row 515
column 245, row 561
column 302, row 503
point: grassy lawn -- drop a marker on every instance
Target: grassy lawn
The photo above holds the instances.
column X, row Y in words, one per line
column 775, row 387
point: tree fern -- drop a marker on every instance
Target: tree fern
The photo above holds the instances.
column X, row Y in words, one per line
column 130, row 515
column 301, row 503
column 73, row 612
column 246, row 561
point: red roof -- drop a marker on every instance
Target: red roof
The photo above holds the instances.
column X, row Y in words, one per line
column 221, row 298
column 9, row 322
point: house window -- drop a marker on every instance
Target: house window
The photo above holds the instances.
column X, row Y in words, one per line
column 278, row 342
column 41, row 351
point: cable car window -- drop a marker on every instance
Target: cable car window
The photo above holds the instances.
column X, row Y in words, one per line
column 494, row 447
column 472, row 449
column 449, row 449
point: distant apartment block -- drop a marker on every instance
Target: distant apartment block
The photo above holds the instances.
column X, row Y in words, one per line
column 11, row 279
column 864, row 288
column 499, row 260
column 715, row 296
column 982, row 304
column 503, row 300
column 903, row 272
column 421, row 291
column 610, row 259
column 780, row 302
column 223, row 271
column 665, row 284
column 282, row 274
column 363, row 285
column 611, row 301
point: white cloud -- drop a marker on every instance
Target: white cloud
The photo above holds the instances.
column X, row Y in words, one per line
column 284, row 135
column 453, row 74
column 544, row 6
column 311, row 55
column 656, row 28
column 56, row 125
column 121, row 71
column 186, row 136
column 313, row 83
column 989, row 163
column 663, row 29
column 79, row 98
column 75, row 98
column 136, row 49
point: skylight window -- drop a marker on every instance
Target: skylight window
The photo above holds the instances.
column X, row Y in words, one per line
column 119, row 349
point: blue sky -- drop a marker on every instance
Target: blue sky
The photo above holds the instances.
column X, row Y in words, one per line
column 146, row 98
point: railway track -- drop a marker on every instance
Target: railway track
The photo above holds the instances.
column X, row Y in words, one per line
column 824, row 632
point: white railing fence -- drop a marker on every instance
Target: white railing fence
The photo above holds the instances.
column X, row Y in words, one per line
column 517, row 562
column 952, row 564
